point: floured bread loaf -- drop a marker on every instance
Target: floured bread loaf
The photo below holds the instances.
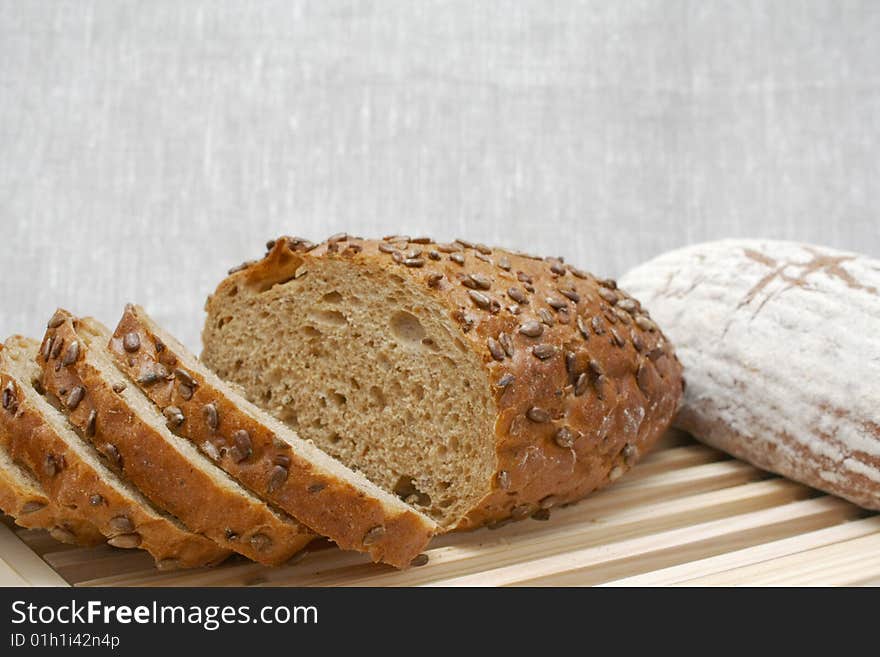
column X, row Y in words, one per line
column 474, row 383
column 781, row 345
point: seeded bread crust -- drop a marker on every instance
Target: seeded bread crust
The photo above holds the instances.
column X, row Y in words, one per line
column 583, row 380
column 88, row 490
column 780, row 341
column 22, row 498
column 139, row 448
column 265, row 456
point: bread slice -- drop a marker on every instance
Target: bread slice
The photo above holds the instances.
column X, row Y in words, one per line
column 262, row 453
column 22, row 498
column 71, row 474
column 168, row 470
column 478, row 383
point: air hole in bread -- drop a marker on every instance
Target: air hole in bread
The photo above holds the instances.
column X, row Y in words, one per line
column 311, row 331
column 407, row 490
column 332, row 297
column 407, row 328
column 332, row 317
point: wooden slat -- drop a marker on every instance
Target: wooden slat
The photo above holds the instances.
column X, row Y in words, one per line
column 687, row 515
column 21, row 566
column 581, row 567
column 688, row 573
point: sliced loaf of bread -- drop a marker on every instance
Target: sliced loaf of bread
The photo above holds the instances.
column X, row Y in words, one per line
column 477, row 383
column 132, row 434
column 71, row 474
column 262, row 453
column 23, row 498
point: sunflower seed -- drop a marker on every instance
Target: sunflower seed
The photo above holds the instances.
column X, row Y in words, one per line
column 413, row 253
column 616, row 337
column 185, row 391
column 598, row 325
column 517, row 295
column 521, row 511
column 580, row 386
column 623, row 316
column 386, row 248
column 465, row 244
column 316, row 488
column 543, row 351
column 645, row 324
column 184, row 377
column 482, row 248
column 548, row 502
column 75, row 397
column 579, row 273
column 396, row 238
column 523, row 277
column 434, row 279
column 414, row 262
column 212, row 417
column 91, row 423
column 174, row 416
column 433, row 255
column 457, row 257
column 503, row 479
column 628, row 305
column 506, row 343
column 373, row 535
column 538, row 415
column 582, row 327
column 564, row 437
column 338, row 237
column 131, row 342
column 477, row 282
column 541, row 514
column 556, row 303
column 121, row 524
column 51, row 465
column 46, row 349
column 608, row 295
column 71, row 355
column 480, row 299
column 546, row 317
column 260, row 542
column 56, row 320
column 109, row 450
column 630, row 454
column 211, row 450
column 610, row 283
column 397, row 257
column 420, row 240
column 119, row 386
column 448, row 248
column 9, row 398
column 504, row 263
column 96, row 500
column 32, row 507
column 505, row 380
column 419, row 560
column 615, row 474
column 570, row 362
column 242, row 440
column 56, row 348
column 570, row 294
column 495, row 349
column 637, row 340
column 277, row 476
column 558, row 268
column 645, row 378
column 602, row 385
column 126, row 541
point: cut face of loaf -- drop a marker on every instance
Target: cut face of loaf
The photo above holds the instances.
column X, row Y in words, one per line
column 781, row 342
column 262, row 453
column 74, row 477
column 23, row 498
column 474, row 383
column 132, row 434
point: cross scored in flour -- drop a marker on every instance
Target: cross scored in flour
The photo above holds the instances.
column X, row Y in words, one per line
column 821, row 263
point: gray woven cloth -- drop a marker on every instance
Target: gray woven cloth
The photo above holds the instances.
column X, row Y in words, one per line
column 146, row 147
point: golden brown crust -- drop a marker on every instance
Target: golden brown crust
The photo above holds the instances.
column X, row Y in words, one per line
column 143, row 455
column 29, row 506
column 250, row 451
column 583, row 380
column 74, row 484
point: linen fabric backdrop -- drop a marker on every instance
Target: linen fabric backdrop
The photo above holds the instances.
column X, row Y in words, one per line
column 146, row 147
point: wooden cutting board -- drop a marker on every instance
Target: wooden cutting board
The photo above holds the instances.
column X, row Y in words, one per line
column 687, row 515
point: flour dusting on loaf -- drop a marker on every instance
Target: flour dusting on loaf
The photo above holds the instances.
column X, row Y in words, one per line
column 781, row 345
